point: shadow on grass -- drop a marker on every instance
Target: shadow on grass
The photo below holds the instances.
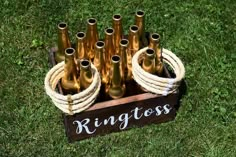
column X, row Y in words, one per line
column 182, row 92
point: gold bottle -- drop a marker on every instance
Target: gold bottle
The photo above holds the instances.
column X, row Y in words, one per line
column 99, row 61
column 116, row 87
column 133, row 37
column 86, row 75
column 126, row 60
column 63, row 42
column 118, row 31
column 149, row 61
column 69, row 80
column 81, row 46
column 155, row 44
column 140, row 22
column 109, row 46
column 92, row 37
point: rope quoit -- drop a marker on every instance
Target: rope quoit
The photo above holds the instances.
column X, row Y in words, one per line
column 156, row 84
column 76, row 103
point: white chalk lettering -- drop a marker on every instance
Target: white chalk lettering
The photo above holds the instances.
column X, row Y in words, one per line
column 83, row 124
column 148, row 112
column 158, row 110
column 124, row 119
column 136, row 113
column 111, row 119
column 167, row 109
column 90, row 126
column 96, row 123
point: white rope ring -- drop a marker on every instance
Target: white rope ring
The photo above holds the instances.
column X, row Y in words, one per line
column 156, row 84
column 80, row 101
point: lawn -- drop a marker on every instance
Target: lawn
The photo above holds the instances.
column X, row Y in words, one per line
column 202, row 33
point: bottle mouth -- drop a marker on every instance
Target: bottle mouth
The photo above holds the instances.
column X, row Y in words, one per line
column 80, row 35
column 62, row 25
column 84, row 63
column 117, row 17
column 150, row 52
column 109, row 31
column 140, row 13
column 155, row 36
column 69, row 51
column 100, row 44
column 92, row 21
column 134, row 28
column 115, row 59
column 124, row 42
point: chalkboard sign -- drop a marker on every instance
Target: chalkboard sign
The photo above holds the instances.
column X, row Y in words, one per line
column 119, row 115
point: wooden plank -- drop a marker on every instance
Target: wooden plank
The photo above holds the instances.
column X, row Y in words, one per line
column 120, row 117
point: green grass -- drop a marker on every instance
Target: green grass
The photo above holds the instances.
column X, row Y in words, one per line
column 202, row 33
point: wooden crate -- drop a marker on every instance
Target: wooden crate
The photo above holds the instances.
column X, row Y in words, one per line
column 135, row 109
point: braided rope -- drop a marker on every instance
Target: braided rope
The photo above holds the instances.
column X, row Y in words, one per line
column 76, row 103
column 153, row 83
